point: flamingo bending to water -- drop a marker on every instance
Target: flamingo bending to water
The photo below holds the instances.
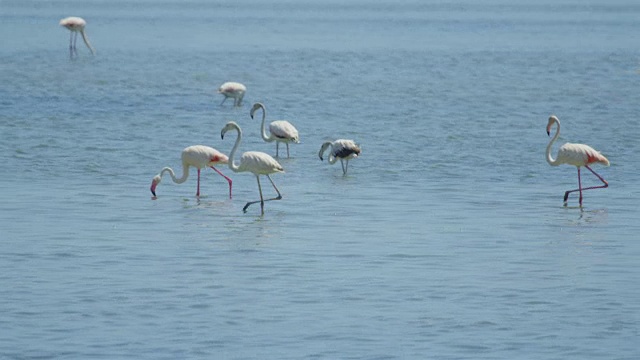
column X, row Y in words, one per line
column 281, row 130
column 342, row 149
column 577, row 155
column 255, row 162
column 198, row 156
column 76, row 25
column 233, row 90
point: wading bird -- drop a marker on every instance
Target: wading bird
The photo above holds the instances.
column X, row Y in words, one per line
column 255, row 162
column 233, row 90
column 340, row 149
column 198, row 156
column 76, row 25
column 280, row 130
column 577, row 155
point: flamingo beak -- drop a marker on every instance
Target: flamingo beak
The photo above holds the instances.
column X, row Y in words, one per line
column 153, row 188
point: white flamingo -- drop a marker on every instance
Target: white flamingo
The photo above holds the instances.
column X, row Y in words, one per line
column 280, row 130
column 233, row 90
column 255, row 162
column 577, row 155
column 342, row 149
column 76, row 25
column 198, row 156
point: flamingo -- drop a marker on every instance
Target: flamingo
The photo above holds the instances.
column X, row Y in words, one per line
column 281, row 130
column 577, row 155
column 233, row 90
column 198, row 156
column 256, row 162
column 76, row 25
column 342, row 149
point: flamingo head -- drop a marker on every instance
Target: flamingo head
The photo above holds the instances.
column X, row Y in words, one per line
column 255, row 107
column 231, row 125
column 156, row 180
column 552, row 119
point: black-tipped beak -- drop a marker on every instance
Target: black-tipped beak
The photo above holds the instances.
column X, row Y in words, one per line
column 548, row 133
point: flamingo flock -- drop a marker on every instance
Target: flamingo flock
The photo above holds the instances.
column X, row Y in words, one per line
column 256, row 162
column 282, row 131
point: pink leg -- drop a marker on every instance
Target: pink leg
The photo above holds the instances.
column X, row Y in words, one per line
column 606, row 184
column 228, row 180
column 198, row 189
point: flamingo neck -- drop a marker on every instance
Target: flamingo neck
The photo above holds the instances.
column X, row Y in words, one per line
column 550, row 159
column 323, row 148
column 183, row 178
column 232, row 164
column 86, row 41
column 332, row 159
column 263, row 131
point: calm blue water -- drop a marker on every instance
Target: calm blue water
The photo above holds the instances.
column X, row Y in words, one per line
column 446, row 240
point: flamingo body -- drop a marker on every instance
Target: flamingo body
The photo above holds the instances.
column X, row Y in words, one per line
column 256, row 162
column 233, row 90
column 577, row 155
column 199, row 157
column 280, row 131
column 76, row 25
column 341, row 149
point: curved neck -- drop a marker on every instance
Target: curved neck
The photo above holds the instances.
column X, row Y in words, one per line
column 550, row 159
column 232, row 164
column 263, row 130
column 323, row 148
column 86, row 42
column 332, row 159
column 183, row 178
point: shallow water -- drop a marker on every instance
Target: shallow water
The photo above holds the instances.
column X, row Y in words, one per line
column 447, row 239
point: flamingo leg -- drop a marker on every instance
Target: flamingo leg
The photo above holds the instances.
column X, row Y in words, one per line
column 198, row 188
column 262, row 201
column 287, row 150
column 344, row 170
column 580, row 188
column 71, row 46
column 228, row 180
column 225, row 99
column 277, row 148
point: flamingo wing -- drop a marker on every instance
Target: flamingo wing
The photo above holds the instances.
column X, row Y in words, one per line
column 343, row 148
column 284, row 130
column 232, row 88
column 580, row 155
column 201, row 156
column 259, row 163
